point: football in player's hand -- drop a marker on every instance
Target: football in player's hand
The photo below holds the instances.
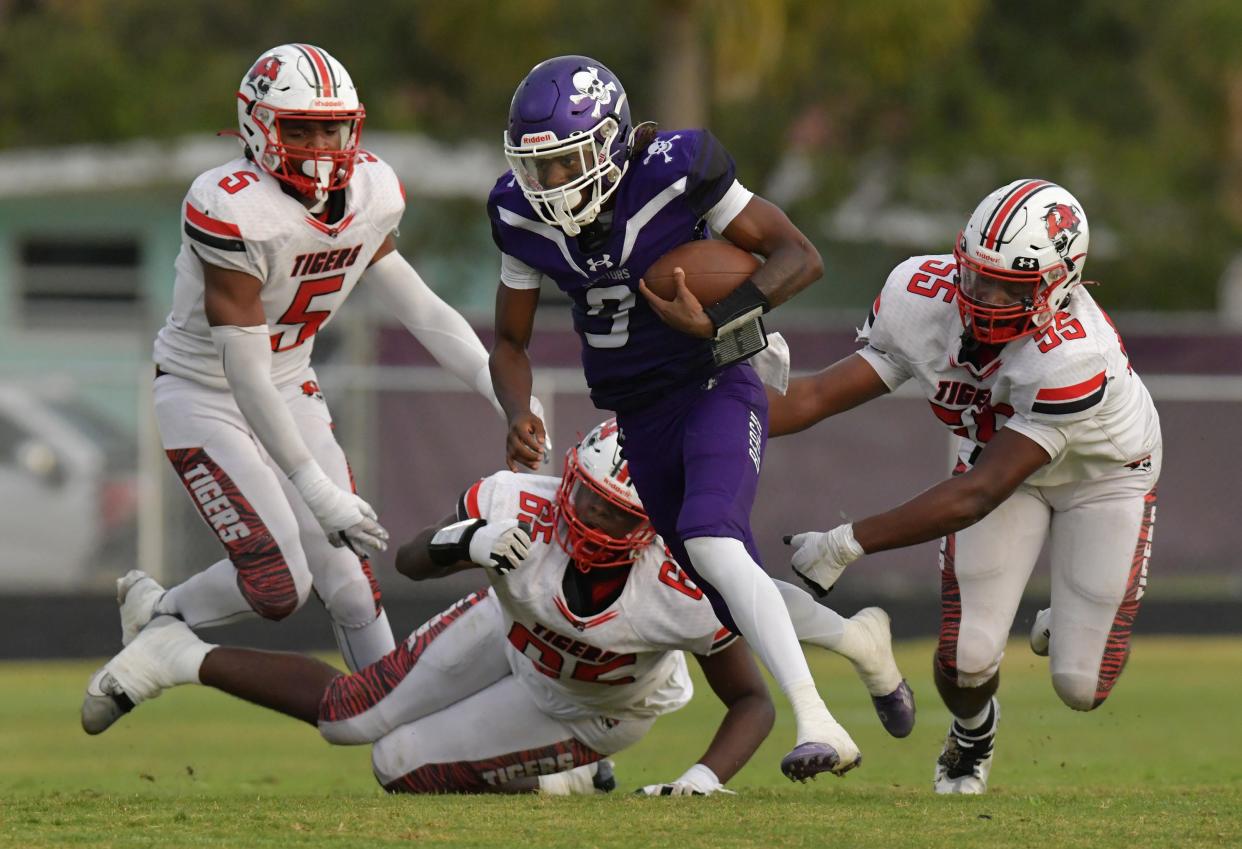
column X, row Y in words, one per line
column 713, row 269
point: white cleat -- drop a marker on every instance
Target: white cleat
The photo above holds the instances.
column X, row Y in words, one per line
column 137, row 593
column 1041, row 632
column 966, row 760
column 139, row 673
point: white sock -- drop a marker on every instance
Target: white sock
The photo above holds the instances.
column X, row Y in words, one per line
column 760, row 613
column 814, row 623
column 166, row 653
column 185, row 662
column 360, row 647
column 209, row 598
column 579, row 780
column 974, row 723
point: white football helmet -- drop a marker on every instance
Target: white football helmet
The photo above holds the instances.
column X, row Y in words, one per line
column 300, row 82
column 596, row 463
column 1019, row 258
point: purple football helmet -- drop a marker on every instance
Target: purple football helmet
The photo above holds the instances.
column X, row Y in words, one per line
column 568, row 139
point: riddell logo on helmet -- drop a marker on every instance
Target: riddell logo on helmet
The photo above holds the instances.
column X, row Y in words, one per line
column 263, row 74
column 538, row 138
column 989, row 257
column 327, row 104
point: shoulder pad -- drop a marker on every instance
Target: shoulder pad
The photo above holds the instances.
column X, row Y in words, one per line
column 918, row 293
column 384, row 197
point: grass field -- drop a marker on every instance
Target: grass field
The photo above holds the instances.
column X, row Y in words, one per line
column 1159, row 765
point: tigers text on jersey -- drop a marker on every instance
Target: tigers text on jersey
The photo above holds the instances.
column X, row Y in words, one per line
column 625, row 661
column 1070, row 389
column 238, row 218
column 674, row 192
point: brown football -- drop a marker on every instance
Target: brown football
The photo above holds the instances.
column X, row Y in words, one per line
column 713, row 268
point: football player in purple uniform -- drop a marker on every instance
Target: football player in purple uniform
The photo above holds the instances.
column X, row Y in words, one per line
column 590, row 202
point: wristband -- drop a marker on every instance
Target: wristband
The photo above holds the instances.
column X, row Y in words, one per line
column 744, row 303
column 451, row 544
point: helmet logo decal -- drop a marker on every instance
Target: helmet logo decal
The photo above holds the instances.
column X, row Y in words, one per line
column 263, row 74
column 591, row 87
column 661, row 147
column 1062, row 221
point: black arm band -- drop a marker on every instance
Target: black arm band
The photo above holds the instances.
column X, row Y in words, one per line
column 451, row 544
column 738, row 307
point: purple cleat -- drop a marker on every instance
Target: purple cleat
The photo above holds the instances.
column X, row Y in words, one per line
column 808, row 760
column 896, row 710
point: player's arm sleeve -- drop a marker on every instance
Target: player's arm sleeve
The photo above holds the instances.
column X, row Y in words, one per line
column 436, row 325
column 879, row 349
column 710, row 180
column 1048, row 409
column 891, row 369
column 488, row 498
column 216, row 238
column 518, row 275
column 246, row 354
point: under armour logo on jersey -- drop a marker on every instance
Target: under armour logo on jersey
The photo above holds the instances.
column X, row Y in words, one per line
column 1025, row 263
column 591, row 87
column 604, row 261
column 661, row 147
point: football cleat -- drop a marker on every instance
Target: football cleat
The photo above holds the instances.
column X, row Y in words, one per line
column 105, row 702
column 135, row 675
column 808, row 760
column 137, row 593
column 835, row 752
column 890, row 694
column 604, row 781
column 896, row 710
column 1041, row 632
column 966, row 759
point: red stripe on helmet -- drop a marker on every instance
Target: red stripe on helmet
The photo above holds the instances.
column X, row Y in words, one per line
column 1000, row 218
column 321, row 69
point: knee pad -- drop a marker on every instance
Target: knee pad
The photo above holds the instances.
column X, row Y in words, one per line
column 270, row 588
column 353, row 604
column 978, row 657
column 1077, row 690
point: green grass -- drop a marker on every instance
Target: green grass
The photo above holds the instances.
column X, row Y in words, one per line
column 1160, row 764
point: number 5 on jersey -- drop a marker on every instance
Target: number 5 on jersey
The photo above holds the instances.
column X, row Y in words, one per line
column 303, row 321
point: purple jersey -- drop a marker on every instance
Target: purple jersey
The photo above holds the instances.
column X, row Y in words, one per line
column 631, row 357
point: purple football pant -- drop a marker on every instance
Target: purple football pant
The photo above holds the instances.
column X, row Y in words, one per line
column 694, row 458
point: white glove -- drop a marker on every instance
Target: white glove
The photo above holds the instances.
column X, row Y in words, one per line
column 698, row 780
column 536, row 407
column 820, row 558
column 501, row 545
column 772, row 363
column 344, row 517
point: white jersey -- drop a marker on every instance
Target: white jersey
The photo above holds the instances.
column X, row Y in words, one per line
column 237, row 217
column 624, row 662
column 1070, row 389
